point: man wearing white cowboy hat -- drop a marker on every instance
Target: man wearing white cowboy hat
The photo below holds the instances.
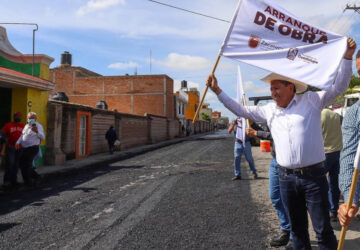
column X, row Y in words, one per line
column 294, row 122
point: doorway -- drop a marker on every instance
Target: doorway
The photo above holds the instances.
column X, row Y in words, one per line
column 5, row 105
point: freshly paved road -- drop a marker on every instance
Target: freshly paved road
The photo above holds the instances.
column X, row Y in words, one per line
column 177, row 197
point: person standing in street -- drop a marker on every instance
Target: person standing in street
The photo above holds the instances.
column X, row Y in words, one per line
column 32, row 135
column 111, row 137
column 351, row 138
column 241, row 146
column 331, row 131
column 293, row 120
column 12, row 131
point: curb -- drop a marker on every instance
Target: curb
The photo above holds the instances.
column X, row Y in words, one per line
column 77, row 166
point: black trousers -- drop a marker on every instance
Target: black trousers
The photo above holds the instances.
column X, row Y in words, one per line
column 28, row 173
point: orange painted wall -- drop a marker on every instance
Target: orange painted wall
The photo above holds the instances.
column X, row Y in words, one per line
column 194, row 101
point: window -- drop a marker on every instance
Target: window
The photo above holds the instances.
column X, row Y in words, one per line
column 82, row 136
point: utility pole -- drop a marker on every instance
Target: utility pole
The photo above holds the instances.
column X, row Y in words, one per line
column 354, row 7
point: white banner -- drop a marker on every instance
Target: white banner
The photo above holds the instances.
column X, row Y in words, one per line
column 265, row 35
column 240, row 94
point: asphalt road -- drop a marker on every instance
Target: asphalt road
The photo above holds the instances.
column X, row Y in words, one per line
column 177, row 197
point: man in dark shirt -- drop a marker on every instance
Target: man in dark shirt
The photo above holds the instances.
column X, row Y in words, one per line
column 111, row 137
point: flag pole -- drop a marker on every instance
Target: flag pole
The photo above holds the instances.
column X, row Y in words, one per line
column 348, row 206
column 203, row 97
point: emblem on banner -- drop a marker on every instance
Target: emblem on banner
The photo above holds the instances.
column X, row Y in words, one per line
column 254, row 41
column 292, row 53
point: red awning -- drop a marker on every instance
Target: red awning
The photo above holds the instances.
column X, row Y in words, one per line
column 13, row 79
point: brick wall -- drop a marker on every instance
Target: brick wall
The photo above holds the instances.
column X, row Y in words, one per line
column 137, row 95
column 158, row 130
column 100, row 123
column 174, row 128
column 132, row 130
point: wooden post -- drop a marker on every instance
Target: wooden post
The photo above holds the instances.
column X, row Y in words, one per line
column 348, row 206
column 206, row 89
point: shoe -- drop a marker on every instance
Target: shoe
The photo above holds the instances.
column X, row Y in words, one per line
column 255, row 176
column 333, row 218
column 289, row 246
column 236, row 178
column 280, row 240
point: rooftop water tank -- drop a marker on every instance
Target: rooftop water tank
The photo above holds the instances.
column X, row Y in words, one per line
column 60, row 96
column 66, row 58
column 101, row 105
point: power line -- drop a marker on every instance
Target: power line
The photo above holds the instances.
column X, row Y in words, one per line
column 190, row 11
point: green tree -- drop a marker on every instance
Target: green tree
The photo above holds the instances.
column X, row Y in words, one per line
column 354, row 83
column 205, row 117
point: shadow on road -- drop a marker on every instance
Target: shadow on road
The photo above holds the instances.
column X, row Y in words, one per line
column 7, row 226
column 52, row 186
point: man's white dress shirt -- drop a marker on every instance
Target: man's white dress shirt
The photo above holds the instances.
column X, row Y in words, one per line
column 239, row 129
column 30, row 138
column 296, row 129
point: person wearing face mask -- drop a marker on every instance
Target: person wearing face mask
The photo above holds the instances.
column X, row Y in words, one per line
column 12, row 131
column 30, row 139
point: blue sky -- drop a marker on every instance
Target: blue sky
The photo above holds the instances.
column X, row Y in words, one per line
column 114, row 37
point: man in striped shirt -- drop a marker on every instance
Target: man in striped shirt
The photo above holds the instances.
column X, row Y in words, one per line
column 351, row 137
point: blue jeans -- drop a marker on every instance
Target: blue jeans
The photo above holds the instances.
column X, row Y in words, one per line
column 239, row 149
column 308, row 193
column 274, row 189
column 12, row 165
column 332, row 166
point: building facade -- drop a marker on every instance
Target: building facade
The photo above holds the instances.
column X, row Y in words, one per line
column 24, row 83
column 135, row 94
column 194, row 100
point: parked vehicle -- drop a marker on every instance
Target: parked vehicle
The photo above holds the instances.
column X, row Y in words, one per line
column 349, row 100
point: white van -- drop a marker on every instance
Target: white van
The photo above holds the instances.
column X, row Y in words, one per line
column 349, row 100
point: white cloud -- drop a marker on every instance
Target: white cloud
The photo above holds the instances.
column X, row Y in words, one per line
column 121, row 65
column 252, row 89
column 94, row 5
column 342, row 25
column 256, row 89
column 177, row 61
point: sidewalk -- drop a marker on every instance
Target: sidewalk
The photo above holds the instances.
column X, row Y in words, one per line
column 93, row 161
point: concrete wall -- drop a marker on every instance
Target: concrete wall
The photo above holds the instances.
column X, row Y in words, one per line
column 132, row 130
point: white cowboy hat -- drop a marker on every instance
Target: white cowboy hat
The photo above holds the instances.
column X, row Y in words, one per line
column 299, row 86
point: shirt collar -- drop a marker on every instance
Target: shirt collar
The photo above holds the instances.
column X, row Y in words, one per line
column 293, row 101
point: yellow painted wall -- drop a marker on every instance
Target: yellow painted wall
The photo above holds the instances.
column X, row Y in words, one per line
column 22, row 98
column 39, row 100
column 44, row 71
column 19, row 100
